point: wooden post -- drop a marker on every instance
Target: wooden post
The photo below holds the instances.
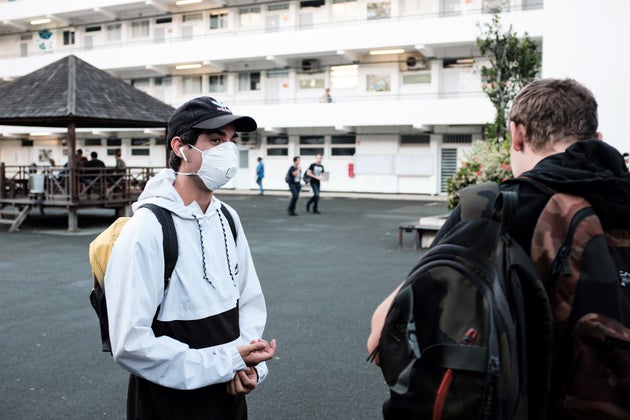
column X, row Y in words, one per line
column 3, row 179
column 73, row 179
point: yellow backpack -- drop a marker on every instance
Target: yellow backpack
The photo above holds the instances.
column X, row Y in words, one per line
column 101, row 249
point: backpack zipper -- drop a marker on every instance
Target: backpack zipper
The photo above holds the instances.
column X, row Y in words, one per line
column 440, row 398
column 560, row 264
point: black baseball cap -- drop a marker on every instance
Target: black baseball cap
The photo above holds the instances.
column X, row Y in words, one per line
column 209, row 113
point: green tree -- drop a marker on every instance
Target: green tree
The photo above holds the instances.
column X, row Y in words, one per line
column 513, row 63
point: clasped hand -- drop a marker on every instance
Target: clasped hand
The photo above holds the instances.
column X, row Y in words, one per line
column 246, row 380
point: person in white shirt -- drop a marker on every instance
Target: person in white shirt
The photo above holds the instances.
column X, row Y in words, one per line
column 195, row 349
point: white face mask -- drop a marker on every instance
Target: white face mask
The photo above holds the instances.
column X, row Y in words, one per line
column 218, row 165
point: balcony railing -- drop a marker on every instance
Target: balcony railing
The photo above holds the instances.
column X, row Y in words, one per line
column 60, row 184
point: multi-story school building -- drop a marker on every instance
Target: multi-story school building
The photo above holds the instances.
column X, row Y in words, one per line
column 406, row 98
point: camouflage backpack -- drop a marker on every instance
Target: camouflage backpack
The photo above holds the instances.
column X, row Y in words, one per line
column 586, row 271
column 453, row 345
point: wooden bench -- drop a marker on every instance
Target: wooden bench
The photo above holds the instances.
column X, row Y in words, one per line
column 419, row 231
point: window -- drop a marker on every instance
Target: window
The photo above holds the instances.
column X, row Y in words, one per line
column 218, row 20
column 457, row 138
column 93, row 142
column 249, row 16
column 141, row 83
column 163, row 20
column 277, row 74
column 249, row 81
column 276, row 7
column 114, row 142
column 114, row 32
column 277, row 146
column 217, row 83
column 344, row 76
column 416, row 78
column 311, row 145
column 312, row 83
column 191, row 84
column 93, row 28
column 140, row 29
column 163, row 81
column 192, row 17
column 140, row 146
column 140, row 152
column 343, row 145
column 312, row 3
column 68, row 37
column 344, row 8
column 415, row 139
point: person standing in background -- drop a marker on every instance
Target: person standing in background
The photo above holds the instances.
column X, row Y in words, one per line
column 294, row 174
column 260, row 174
column 316, row 173
column 326, row 98
column 120, row 164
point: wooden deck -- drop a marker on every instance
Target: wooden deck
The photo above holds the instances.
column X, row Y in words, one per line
column 22, row 189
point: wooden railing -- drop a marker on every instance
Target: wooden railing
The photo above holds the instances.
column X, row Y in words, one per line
column 54, row 183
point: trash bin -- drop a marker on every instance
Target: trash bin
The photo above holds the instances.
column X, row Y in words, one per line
column 36, row 183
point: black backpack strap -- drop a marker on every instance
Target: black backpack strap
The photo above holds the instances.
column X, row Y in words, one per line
column 169, row 242
column 230, row 220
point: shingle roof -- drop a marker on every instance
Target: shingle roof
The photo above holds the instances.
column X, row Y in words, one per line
column 71, row 90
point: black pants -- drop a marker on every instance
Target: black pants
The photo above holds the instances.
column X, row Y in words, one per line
column 295, row 193
column 149, row 401
column 314, row 200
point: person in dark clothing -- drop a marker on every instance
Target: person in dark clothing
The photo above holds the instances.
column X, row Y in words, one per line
column 91, row 170
column 293, row 178
column 554, row 140
column 316, row 173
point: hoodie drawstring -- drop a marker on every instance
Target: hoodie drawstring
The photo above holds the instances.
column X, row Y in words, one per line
column 203, row 251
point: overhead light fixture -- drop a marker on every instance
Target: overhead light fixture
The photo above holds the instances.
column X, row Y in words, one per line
column 383, row 52
column 465, row 60
column 40, row 133
column 182, row 2
column 187, row 66
column 40, row 21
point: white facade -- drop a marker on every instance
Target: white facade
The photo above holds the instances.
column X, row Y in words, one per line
column 397, row 124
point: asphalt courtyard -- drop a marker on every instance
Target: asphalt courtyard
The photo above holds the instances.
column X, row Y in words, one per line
column 322, row 276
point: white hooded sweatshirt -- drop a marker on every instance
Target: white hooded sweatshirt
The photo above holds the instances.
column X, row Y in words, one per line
column 209, row 314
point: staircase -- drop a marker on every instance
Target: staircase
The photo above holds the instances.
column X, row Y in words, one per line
column 14, row 216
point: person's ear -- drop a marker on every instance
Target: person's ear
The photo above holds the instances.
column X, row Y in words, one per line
column 517, row 136
column 176, row 145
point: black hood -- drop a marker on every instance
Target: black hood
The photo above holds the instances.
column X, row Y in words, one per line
column 591, row 169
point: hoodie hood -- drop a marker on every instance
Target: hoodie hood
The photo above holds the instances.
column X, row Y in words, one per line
column 591, row 169
column 160, row 191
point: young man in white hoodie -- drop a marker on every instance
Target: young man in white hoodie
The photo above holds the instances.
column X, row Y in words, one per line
column 195, row 349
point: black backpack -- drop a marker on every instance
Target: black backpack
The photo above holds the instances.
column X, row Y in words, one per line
column 100, row 251
column 453, row 345
column 307, row 179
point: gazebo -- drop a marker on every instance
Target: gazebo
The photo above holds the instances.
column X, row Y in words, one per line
column 71, row 93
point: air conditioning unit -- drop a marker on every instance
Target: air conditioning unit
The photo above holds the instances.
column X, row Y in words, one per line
column 310, row 65
column 413, row 62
